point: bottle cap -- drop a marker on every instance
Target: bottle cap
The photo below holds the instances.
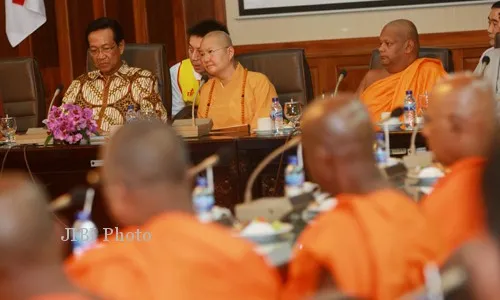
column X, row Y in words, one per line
column 409, row 92
column 130, row 106
column 82, row 215
column 276, row 99
column 380, row 136
column 292, row 160
column 201, row 181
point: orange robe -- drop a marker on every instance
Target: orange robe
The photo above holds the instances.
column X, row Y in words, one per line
column 226, row 107
column 60, row 297
column 184, row 259
column 388, row 93
column 374, row 247
column 455, row 205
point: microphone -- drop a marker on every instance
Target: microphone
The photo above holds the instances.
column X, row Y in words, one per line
column 58, row 90
column 76, row 197
column 270, row 208
column 203, row 80
column 484, row 63
column 343, row 74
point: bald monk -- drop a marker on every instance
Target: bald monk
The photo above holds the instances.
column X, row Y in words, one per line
column 147, row 188
column 375, row 243
column 233, row 96
column 382, row 90
column 31, row 264
column 459, row 127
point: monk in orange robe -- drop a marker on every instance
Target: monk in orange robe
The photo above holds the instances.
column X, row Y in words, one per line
column 382, row 90
column 460, row 128
column 375, row 243
column 30, row 246
column 233, row 96
column 148, row 191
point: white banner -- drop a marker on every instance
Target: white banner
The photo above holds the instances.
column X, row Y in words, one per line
column 249, row 8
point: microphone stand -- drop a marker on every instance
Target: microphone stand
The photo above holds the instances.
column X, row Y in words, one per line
column 248, row 189
column 202, row 82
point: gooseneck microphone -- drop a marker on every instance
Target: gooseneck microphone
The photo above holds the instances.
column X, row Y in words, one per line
column 58, row 90
column 342, row 75
column 203, row 80
column 484, row 63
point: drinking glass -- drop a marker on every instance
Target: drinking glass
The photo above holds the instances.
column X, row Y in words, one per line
column 423, row 103
column 293, row 111
column 8, row 128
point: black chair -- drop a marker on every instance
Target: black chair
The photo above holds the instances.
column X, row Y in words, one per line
column 22, row 91
column 442, row 54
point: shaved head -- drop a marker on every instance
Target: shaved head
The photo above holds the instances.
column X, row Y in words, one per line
column 461, row 118
column 145, row 172
column 27, row 230
column 217, row 54
column 407, row 30
column 399, row 45
column 338, row 144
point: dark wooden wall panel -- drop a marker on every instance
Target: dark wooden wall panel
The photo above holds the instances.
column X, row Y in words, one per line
column 161, row 26
column 327, row 58
column 123, row 11
column 81, row 13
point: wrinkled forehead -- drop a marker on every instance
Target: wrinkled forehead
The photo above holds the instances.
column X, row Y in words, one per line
column 494, row 14
column 101, row 37
column 210, row 43
column 392, row 32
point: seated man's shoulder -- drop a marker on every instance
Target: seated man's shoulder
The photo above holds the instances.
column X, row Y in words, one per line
column 131, row 71
column 175, row 67
column 257, row 78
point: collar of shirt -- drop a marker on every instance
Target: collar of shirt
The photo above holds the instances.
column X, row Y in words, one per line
column 122, row 72
column 238, row 72
column 197, row 75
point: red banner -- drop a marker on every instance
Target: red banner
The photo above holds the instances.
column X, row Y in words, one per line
column 20, row 2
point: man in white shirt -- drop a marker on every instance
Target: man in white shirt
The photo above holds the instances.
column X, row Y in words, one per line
column 490, row 72
column 186, row 75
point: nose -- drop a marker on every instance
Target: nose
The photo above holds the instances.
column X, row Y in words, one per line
column 490, row 28
column 205, row 58
column 381, row 48
column 195, row 55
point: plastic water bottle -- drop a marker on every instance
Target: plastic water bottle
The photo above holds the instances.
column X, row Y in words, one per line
column 203, row 200
column 85, row 233
column 277, row 116
column 130, row 115
column 410, row 111
column 294, row 177
column 380, row 151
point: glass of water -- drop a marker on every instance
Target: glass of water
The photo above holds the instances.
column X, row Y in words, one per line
column 8, row 127
column 293, row 111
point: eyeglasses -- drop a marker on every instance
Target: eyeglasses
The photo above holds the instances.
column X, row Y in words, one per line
column 210, row 52
column 104, row 50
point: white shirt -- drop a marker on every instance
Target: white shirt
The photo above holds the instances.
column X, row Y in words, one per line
column 177, row 102
column 491, row 72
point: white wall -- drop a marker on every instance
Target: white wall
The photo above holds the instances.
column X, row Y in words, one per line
column 350, row 25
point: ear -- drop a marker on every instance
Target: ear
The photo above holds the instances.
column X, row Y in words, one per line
column 121, row 46
column 457, row 124
column 409, row 46
column 230, row 51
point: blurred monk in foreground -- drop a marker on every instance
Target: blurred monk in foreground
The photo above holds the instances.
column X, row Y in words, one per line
column 460, row 128
column 382, row 90
column 375, row 243
column 147, row 188
column 233, row 95
column 31, row 265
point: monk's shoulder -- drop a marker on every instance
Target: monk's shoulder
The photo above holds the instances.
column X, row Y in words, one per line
column 431, row 65
column 374, row 75
column 257, row 78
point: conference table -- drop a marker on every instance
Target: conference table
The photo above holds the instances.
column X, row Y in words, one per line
column 62, row 167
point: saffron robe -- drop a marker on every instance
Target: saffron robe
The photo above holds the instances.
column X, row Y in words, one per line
column 184, row 259
column 386, row 94
column 373, row 246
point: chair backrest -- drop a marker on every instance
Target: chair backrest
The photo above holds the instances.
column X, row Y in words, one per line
column 497, row 40
column 442, row 54
column 152, row 57
column 22, row 91
column 287, row 69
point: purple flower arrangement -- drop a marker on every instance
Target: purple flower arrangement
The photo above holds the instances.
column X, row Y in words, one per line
column 70, row 124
